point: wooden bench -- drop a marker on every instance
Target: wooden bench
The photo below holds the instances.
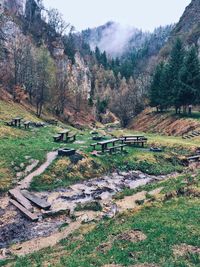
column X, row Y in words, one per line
column 71, row 137
column 194, row 158
column 57, row 138
column 94, row 146
column 52, row 122
column 33, row 217
column 27, row 124
column 9, row 123
column 114, row 148
column 136, row 142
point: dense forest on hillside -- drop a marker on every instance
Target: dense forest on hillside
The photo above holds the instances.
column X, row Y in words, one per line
column 177, row 82
column 44, row 61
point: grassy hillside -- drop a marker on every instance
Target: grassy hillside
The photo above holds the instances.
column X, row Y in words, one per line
column 18, row 146
column 162, row 229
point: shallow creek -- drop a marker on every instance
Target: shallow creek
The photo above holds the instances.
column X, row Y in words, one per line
column 15, row 228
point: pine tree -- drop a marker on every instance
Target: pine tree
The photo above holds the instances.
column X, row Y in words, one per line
column 190, row 79
column 156, row 87
column 175, row 65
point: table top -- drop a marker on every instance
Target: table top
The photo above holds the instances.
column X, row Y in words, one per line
column 64, row 131
column 17, row 119
column 108, row 141
column 133, row 136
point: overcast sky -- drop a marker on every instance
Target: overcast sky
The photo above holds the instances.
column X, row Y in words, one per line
column 143, row 14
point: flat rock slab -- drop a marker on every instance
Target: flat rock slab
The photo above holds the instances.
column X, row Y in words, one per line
column 25, row 212
column 17, row 195
column 41, row 203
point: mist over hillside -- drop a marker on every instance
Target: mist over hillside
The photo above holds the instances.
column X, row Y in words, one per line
column 117, row 39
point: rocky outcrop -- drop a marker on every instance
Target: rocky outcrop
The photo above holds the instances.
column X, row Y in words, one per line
column 190, row 18
column 14, row 7
column 32, row 11
column 188, row 28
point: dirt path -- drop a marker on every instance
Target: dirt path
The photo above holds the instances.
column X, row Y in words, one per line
column 44, row 242
column 25, row 183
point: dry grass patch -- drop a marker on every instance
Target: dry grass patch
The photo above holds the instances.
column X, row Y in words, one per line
column 184, row 249
column 133, row 236
column 6, row 131
column 5, row 178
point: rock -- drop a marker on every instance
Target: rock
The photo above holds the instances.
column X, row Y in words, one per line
column 56, row 212
column 22, row 165
column 5, row 252
column 112, row 211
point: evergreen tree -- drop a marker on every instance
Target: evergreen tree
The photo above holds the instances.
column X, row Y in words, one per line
column 190, row 79
column 175, row 65
column 156, row 87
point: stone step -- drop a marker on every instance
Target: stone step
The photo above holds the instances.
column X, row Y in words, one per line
column 25, row 212
column 17, row 195
column 41, row 203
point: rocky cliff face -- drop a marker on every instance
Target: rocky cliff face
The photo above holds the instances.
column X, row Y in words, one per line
column 190, row 19
column 15, row 7
column 187, row 29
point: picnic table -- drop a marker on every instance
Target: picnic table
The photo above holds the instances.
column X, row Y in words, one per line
column 136, row 137
column 64, row 134
column 104, row 144
column 17, row 121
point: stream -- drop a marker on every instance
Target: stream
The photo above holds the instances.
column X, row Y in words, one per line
column 14, row 228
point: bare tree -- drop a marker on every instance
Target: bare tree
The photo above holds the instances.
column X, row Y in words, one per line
column 45, row 78
column 56, row 21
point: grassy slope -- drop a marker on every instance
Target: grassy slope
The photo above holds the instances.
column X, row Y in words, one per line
column 166, row 123
column 16, row 144
column 165, row 223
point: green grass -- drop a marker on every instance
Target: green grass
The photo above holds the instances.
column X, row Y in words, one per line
column 94, row 206
column 13, row 151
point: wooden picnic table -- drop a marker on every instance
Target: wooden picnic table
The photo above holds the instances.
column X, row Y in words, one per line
column 64, row 134
column 17, row 121
column 104, row 144
column 136, row 137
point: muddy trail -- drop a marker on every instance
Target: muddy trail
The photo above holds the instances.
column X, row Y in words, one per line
column 25, row 183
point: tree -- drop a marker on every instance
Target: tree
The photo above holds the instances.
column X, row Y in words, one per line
column 156, row 89
column 175, row 65
column 123, row 103
column 189, row 92
column 2, row 34
column 61, row 86
column 45, row 78
column 56, row 21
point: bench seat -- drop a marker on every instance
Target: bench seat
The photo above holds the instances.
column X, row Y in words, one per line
column 94, row 145
column 71, row 136
column 114, row 148
column 57, row 138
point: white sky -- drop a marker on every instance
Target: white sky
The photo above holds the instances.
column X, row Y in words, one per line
column 143, row 14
